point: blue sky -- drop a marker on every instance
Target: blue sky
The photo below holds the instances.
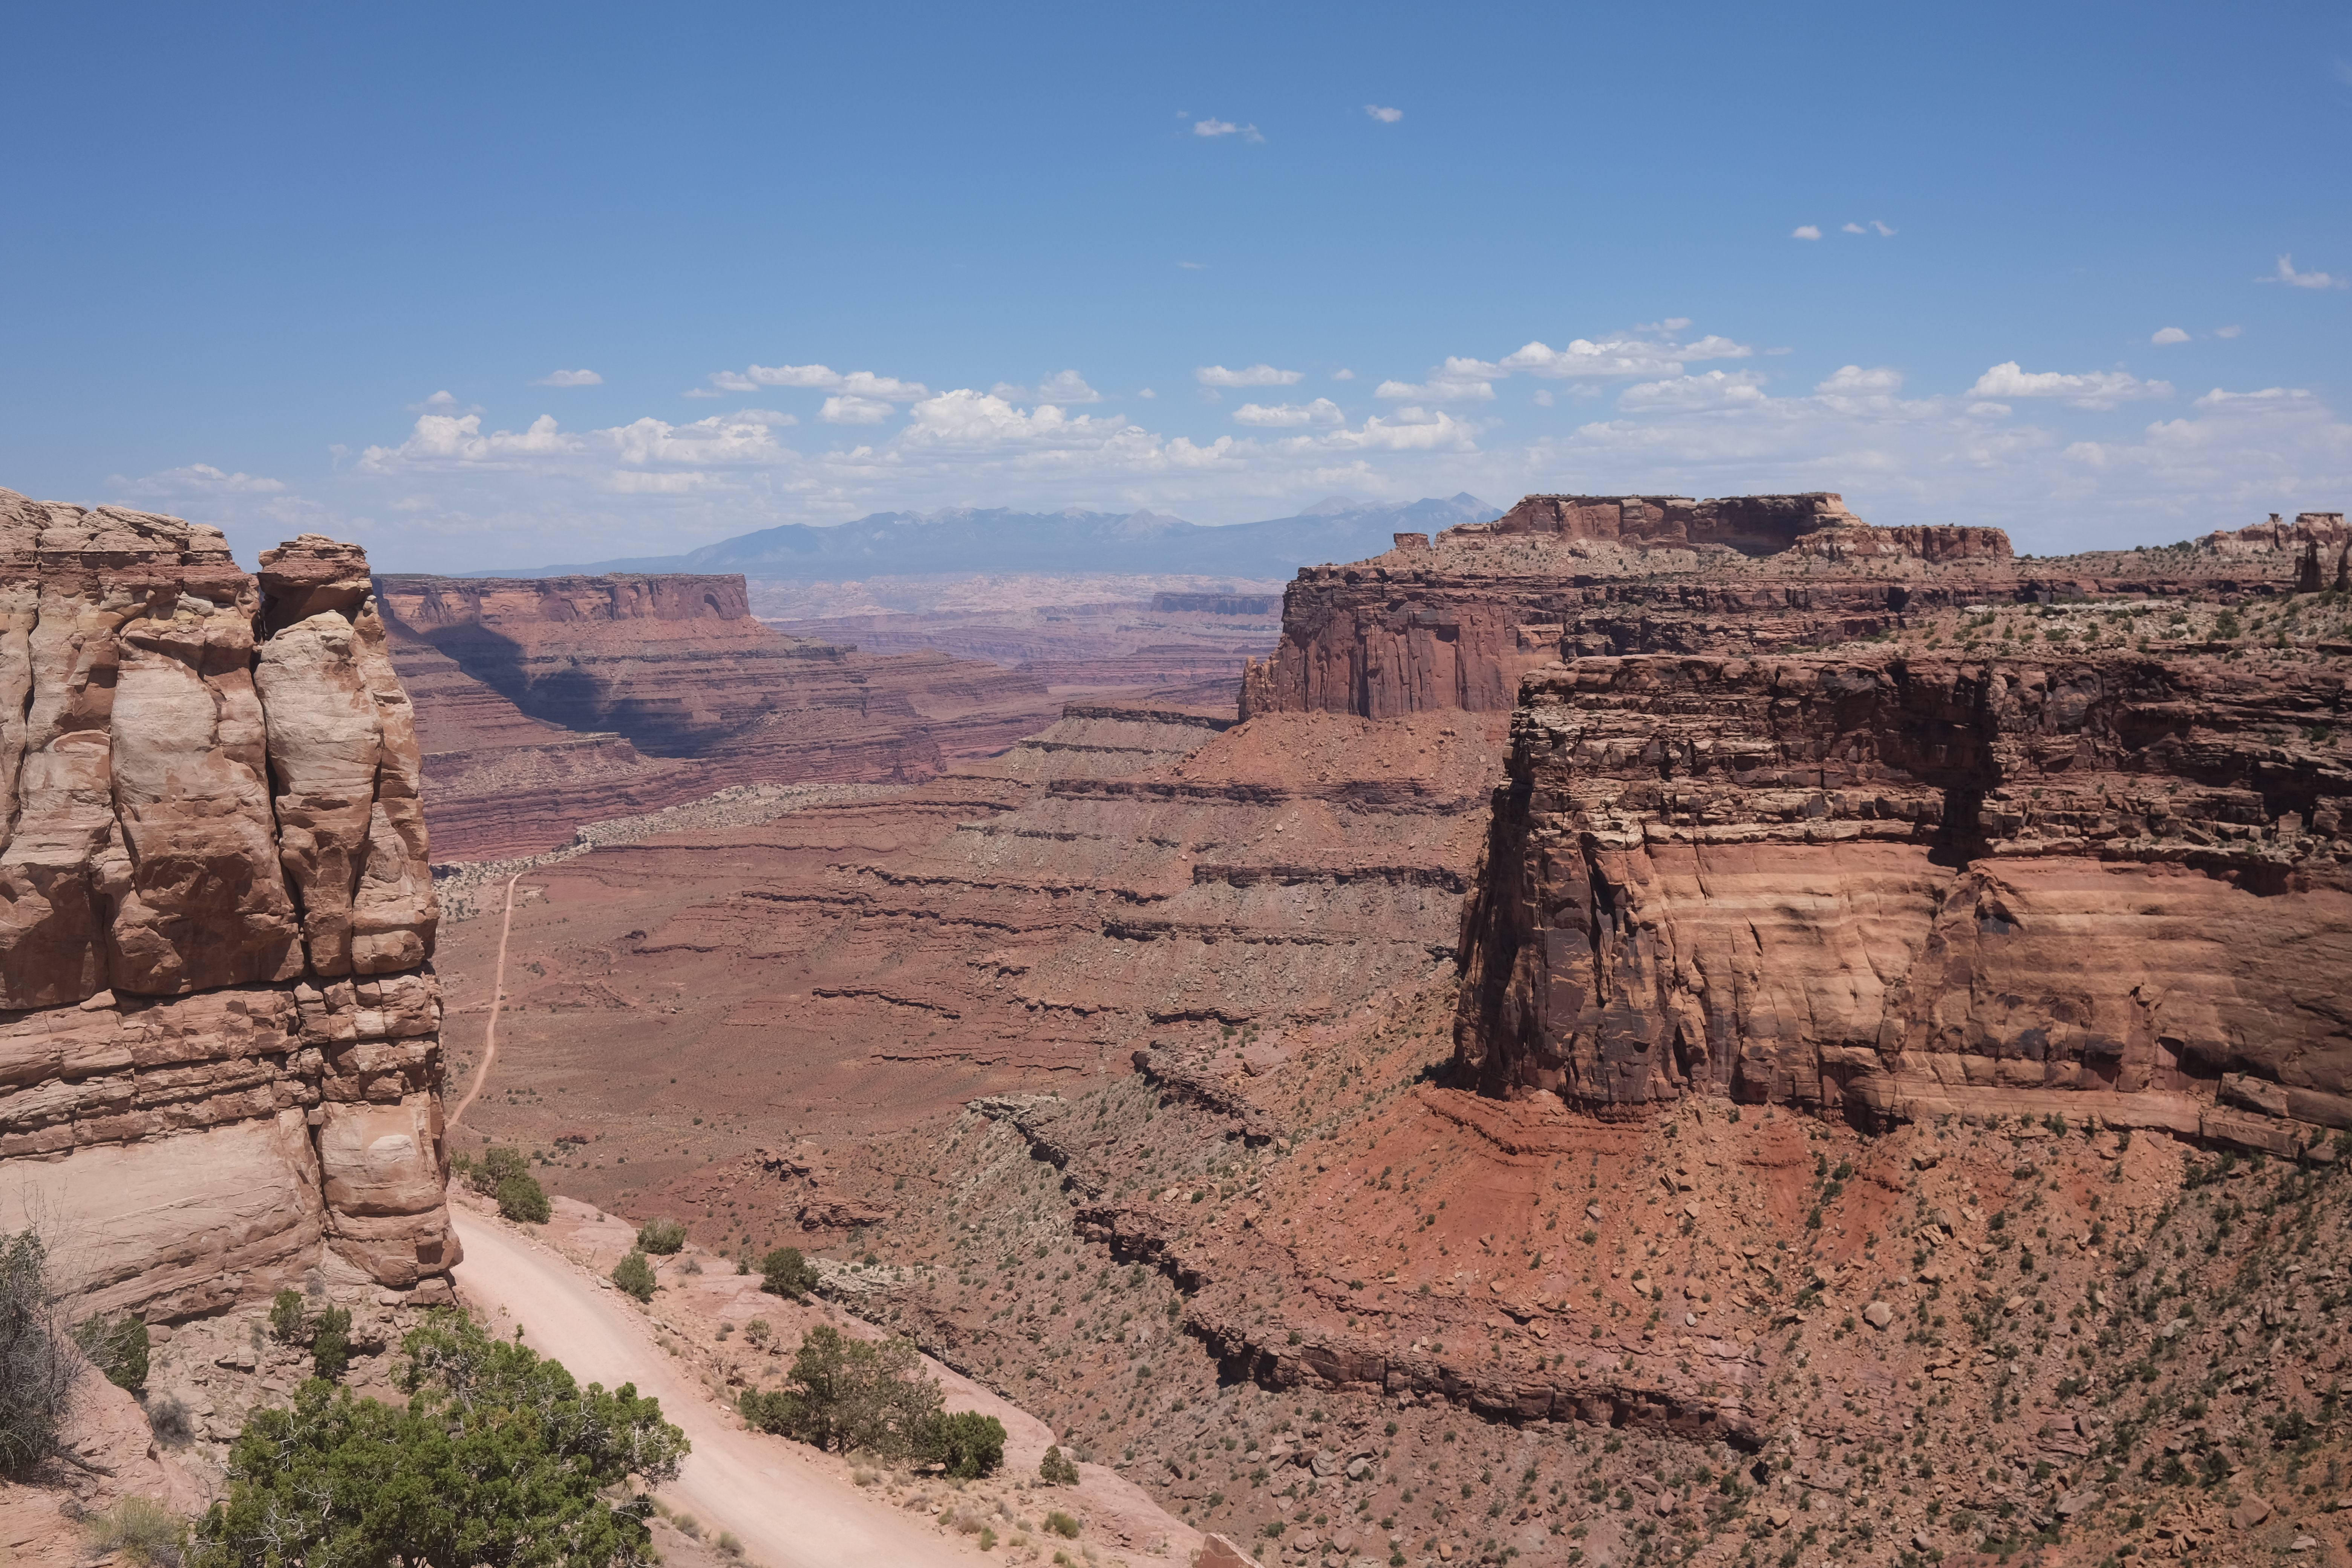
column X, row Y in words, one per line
column 284, row 267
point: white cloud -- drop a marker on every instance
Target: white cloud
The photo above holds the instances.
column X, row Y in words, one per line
column 1226, row 128
column 1385, row 116
column 570, row 378
column 1711, row 389
column 1282, row 416
column 1253, row 375
column 1543, row 398
column 1617, row 357
column 1853, row 228
column 197, row 479
column 704, row 391
column 847, row 408
column 862, row 383
column 1193, row 266
column 1853, row 381
column 1884, row 231
column 1806, row 231
column 2269, row 398
column 2227, row 331
column 1343, row 375
column 1873, row 227
column 1065, row 387
column 456, row 495
column 440, row 403
column 1147, row 392
column 2098, row 389
column 2169, row 335
column 2287, row 275
column 1457, row 380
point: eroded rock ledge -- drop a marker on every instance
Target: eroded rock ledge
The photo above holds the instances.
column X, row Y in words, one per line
column 219, row 1031
column 2112, row 885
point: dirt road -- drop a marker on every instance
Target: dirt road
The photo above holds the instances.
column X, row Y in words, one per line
column 789, row 1512
column 498, row 1000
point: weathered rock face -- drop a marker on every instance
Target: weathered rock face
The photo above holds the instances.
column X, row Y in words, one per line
column 219, row 1039
column 551, row 702
column 2112, row 883
column 1454, row 621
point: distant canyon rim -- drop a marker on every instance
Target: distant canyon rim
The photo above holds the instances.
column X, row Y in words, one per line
column 1632, row 1029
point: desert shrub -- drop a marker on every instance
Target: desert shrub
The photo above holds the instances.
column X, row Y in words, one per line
column 522, row 1199
column 1056, row 1468
column 331, row 1343
column 140, row 1531
column 499, row 1456
column 784, row 1272
column 660, row 1236
column 848, row 1394
column 1061, row 1524
column 495, row 1166
column 117, row 1347
column 173, row 1424
column 729, row 1545
column 757, row 1331
column 285, row 1318
column 689, row 1526
column 968, row 1444
column 636, row 1276
column 37, row 1370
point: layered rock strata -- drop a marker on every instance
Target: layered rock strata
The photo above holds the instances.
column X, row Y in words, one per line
column 1899, row 886
column 219, row 1031
column 551, row 703
column 1454, row 621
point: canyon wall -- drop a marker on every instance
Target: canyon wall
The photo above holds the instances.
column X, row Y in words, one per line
column 1454, row 620
column 219, row 1030
column 1897, row 886
column 551, row 702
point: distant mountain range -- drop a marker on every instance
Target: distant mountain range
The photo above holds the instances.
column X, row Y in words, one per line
column 902, row 543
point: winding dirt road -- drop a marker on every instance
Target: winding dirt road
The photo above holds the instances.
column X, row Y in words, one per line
column 498, row 1000
column 788, row 1511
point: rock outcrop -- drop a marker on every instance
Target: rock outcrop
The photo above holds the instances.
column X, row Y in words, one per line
column 551, row 702
column 1895, row 886
column 1454, row 621
column 219, row 1031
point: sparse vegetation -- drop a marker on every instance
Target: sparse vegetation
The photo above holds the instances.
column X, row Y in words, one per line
column 634, row 1275
column 661, row 1236
column 36, row 1372
column 504, row 1457
column 784, row 1272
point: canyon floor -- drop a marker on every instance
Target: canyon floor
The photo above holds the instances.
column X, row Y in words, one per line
column 1115, row 1071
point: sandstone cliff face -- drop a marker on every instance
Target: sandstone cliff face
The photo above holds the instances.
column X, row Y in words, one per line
column 551, row 702
column 219, row 1039
column 2113, row 883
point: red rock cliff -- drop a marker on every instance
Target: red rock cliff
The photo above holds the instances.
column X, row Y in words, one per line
column 219, row 1033
column 2108, row 884
column 545, row 703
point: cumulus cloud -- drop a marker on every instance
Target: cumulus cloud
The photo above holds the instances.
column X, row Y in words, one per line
column 1283, row 416
column 441, row 403
column 847, row 408
column 2287, row 275
column 1253, row 375
column 1853, row 381
column 2168, row 335
column 1225, row 128
column 2227, row 331
column 2098, row 389
column 570, row 378
column 1385, row 116
column 862, row 383
column 1457, row 380
column 467, row 496
column 1063, row 386
column 1806, row 231
column 1711, row 389
column 1343, row 375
